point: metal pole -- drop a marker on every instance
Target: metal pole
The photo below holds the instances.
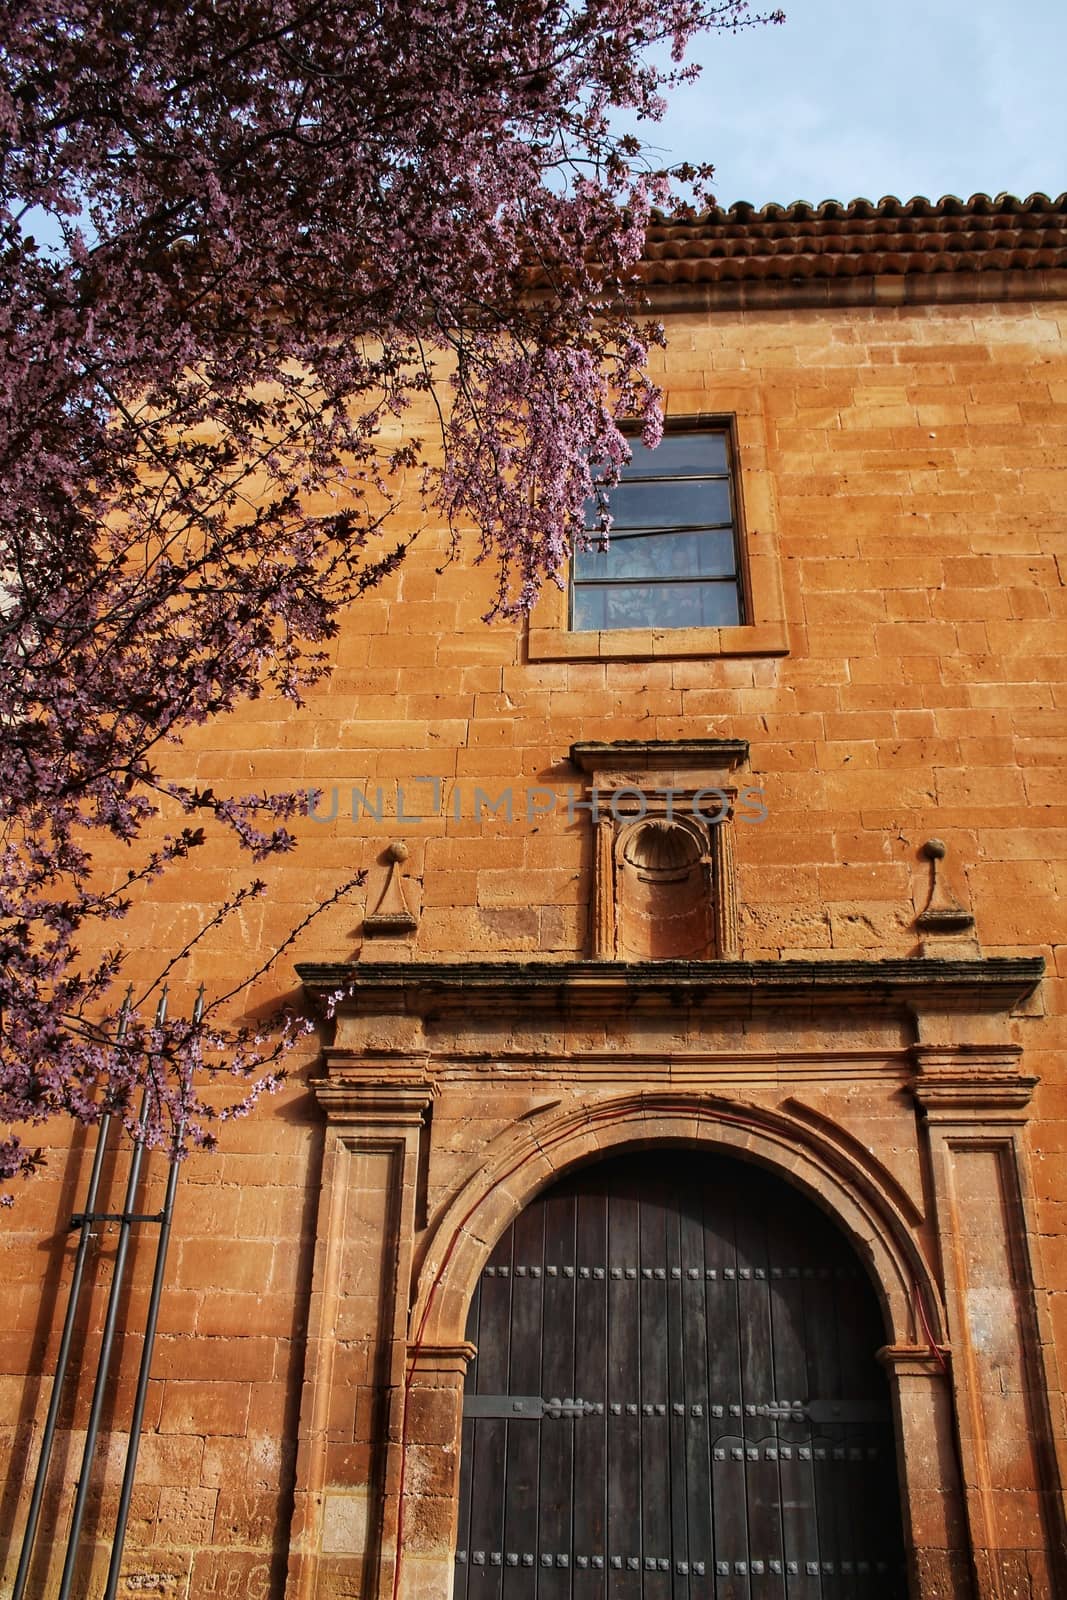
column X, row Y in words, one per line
column 137, row 1417
column 107, row 1340
column 73, row 1295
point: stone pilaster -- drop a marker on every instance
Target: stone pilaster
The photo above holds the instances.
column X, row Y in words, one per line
column 974, row 1102
column 351, row 1416
column 433, row 1419
column 931, row 1488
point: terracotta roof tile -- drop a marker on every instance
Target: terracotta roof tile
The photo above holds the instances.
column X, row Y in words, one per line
column 778, row 243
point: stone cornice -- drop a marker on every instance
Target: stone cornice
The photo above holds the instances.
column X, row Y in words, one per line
column 644, row 755
column 944, row 1099
column 915, row 1360
column 875, row 289
column 992, row 985
column 971, row 1078
column 436, row 1359
column 392, row 1102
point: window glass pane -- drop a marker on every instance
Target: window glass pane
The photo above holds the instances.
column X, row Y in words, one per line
column 720, row 605
column 669, row 504
column 679, row 455
column 668, row 605
column 587, row 610
column 660, row 555
column 671, row 560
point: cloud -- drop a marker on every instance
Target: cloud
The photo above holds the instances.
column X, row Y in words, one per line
column 853, row 99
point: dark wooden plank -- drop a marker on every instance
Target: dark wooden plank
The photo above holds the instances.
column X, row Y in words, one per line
column 489, row 1446
column 463, row 1533
column 655, row 1431
column 473, row 1323
column 676, row 1194
column 724, row 1366
column 824, row 1370
column 762, row 1485
column 486, row 1535
column 696, row 1396
column 556, row 1548
column 624, row 1426
column 590, row 1382
column 857, row 1378
column 787, row 1252
column 463, row 1522
column 493, row 1337
column 870, row 1495
column 522, row 1509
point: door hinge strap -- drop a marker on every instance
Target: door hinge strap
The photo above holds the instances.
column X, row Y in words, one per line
column 519, row 1406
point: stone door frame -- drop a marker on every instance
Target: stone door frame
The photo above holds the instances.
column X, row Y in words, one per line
column 951, row 1256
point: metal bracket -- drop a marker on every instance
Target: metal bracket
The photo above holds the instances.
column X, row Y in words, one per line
column 83, row 1219
column 503, row 1405
column 821, row 1411
column 532, row 1407
column 529, row 1406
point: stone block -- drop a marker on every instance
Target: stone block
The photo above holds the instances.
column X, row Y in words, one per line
column 208, row 1408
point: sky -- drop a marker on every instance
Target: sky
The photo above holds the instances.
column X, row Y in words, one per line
column 849, row 98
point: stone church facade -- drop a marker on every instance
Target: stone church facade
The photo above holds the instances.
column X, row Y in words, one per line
column 766, row 903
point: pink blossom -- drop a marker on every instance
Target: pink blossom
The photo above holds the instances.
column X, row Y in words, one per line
column 279, row 225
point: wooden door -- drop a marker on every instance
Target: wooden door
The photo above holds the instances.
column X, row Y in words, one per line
column 676, row 1395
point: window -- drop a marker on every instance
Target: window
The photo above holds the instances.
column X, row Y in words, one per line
column 671, row 561
column 691, row 568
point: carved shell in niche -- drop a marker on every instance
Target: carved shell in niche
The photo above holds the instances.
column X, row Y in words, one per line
column 662, row 851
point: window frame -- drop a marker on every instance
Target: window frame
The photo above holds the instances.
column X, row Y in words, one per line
column 723, row 429
column 763, row 632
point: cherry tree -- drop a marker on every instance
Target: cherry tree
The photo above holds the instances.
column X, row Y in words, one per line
column 240, row 241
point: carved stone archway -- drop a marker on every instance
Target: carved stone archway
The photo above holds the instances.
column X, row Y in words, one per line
column 888, row 1091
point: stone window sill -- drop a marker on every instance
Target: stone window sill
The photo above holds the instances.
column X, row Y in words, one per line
column 645, row 644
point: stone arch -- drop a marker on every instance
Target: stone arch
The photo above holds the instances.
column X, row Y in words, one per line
column 872, row 1212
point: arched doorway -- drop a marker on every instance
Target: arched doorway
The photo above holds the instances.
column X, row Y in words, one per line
column 676, row 1395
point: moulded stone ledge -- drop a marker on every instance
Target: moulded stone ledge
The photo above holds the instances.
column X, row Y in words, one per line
column 989, row 984
column 597, row 755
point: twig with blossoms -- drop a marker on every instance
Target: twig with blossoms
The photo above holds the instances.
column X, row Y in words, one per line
column 282, row 231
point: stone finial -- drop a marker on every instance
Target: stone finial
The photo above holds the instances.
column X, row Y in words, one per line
column 943, row 915
column 392, row 914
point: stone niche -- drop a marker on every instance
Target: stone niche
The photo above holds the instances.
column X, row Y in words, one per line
column 664, row 891
column 663, row 879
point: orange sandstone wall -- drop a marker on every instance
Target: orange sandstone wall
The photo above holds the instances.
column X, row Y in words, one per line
column 909, row 466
